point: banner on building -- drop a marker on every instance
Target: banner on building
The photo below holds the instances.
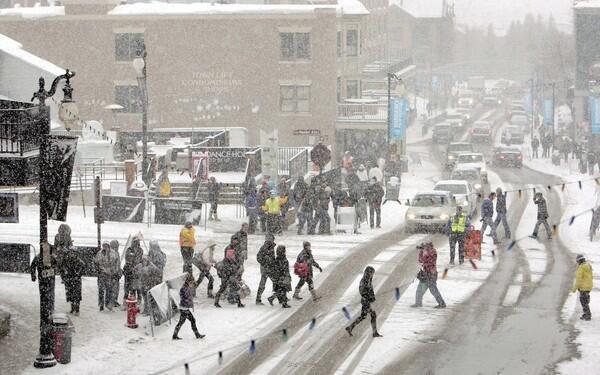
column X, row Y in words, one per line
column 398, row 119
column 200, row 165
column 9, row 208
column 55, row 174
column 548, row 112
column 594, row 108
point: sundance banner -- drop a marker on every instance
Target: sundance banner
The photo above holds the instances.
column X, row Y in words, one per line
column 55, row 174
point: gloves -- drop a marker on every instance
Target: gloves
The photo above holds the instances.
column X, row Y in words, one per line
column 320, row 269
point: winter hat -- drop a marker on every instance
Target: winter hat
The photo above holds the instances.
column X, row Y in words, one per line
column 370, row 270
column 305, row 244
column 105, row 245
column 580, row 258
column 114, row 244
column 188, row 224
column 269, row 237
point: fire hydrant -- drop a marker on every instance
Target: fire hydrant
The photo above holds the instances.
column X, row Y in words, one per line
column 132, row 311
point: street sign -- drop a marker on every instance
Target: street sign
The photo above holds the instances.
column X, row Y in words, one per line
column 307, row 132
column 398, row 119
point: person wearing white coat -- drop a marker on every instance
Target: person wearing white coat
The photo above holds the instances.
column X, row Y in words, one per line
column 375, row 173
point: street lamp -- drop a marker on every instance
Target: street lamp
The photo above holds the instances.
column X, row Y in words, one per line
column 68, row 111
column 139, row 64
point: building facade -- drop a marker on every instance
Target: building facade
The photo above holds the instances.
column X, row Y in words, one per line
column 262, row 67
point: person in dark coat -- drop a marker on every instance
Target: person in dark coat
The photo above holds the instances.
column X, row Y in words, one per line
column 43, row 269
column 305, row 211
column 186, row 306
column 367, row 297
column 266, row 259
column 501, row 212
column 322, row 210
column 375, row 195
column 299, row 190
column 228, row 270
column 73, row 267
column 338, row 196
column 158, row 258
column 214, row 189
column 133, row 257
column 542, row 216
column 62, row 244
column 535, row 144
column 263, row 195
column 282, row 280
column 107, row 266
column 457, row 228
column 242, row 236
column 116, row 279
column 487, row 216
column 252, row 210
column 204, row 263
column 147, row 275
column 306, row 256
column 427, row 276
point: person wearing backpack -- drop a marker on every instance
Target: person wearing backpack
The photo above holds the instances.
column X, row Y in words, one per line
column 304, row 269
column 265, row 258
column 228, row 270
column 186, row 305
column 282, row 281
column 367, row 297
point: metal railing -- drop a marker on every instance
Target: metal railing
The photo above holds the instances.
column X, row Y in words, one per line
column 19, row 131
column 85, row 172
column 361, row 112
column 284, row 155
column 298, row 165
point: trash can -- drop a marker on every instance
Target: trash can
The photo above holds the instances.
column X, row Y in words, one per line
column 62, row 333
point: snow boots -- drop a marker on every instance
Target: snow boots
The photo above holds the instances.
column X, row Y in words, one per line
column 297, row 294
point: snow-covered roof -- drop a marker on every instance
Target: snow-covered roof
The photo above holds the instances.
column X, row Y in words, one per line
column 13, row 48
column 587, row 4
column 34, row 12
column 344, row 7
column 422, row 8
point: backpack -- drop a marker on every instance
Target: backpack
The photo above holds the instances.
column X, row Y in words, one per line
column 301, row 269
column 230, row 254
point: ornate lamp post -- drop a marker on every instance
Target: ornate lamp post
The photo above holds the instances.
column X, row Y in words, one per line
column 68, row 113
column 139, row 64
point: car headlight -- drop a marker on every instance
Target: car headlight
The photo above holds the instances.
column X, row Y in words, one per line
column 465, row 203
column 477, row 186
column 444, row 216
column 450, row 157
column 411, row 216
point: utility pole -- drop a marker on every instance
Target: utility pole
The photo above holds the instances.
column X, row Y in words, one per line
column 98, row 214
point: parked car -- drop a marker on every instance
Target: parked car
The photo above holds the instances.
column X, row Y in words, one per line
column 508, row 157
column 429, row 210
column 471, row 175
column 474, row 160
column 453, row 150
column 462, row 192
column 512, row 135
column 481, row 132
column 442, row 133
column 466, row 101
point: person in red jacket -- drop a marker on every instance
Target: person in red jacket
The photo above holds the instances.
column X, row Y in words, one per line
column 428, row 275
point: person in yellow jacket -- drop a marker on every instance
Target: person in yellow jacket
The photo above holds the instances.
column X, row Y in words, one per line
column 272, row 208
column 187, row 242
column 584, row 281
column 163, row 184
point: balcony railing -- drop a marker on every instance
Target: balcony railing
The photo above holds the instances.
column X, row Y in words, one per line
column 20, row 129
column 360, row 112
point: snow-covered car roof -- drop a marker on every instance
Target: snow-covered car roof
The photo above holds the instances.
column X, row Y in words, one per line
column 452, row 182
column 433, row 192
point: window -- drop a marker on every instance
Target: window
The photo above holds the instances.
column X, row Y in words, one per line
column 128, row 96
column 352, row 43
column 339, row 89
column 352, row 89
column 127, row 44
column 294, row 99
column 295, row 46
column 339, row 44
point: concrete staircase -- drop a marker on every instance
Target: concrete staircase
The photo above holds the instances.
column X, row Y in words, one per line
column 230, row 193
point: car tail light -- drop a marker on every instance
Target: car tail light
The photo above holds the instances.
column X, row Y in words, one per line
column 502, row 157
column 520, row 157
